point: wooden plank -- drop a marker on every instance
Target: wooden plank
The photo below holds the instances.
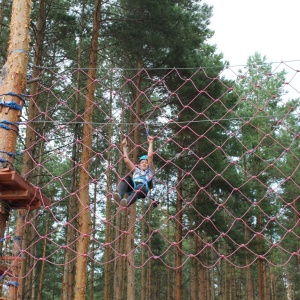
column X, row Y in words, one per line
column 24, row 205
column 14, row 188
column 19, row 181
column 6, row 169
column 6, row 178
column 14, row 195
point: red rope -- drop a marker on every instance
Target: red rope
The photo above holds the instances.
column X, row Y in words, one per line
column 192, row 125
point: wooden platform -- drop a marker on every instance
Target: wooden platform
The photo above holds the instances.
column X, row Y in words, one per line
column 19, row 193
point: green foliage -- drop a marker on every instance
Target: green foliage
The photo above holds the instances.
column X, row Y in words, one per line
column 5, row 15
column 159, row 34
column 237, row 175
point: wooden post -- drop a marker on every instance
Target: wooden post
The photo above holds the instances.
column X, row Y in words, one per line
column 13, row 80
column 12, row 87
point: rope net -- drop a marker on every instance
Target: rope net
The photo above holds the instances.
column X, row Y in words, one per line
column 226, row 158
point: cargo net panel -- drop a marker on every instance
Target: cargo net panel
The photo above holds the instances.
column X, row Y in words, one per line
column 226, row 165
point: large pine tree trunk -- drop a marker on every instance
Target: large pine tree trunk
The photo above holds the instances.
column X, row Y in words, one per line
column 13, row 80
column 84, row 218
column 13, row 76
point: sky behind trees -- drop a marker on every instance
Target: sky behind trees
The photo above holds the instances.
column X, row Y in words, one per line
column 244, row 27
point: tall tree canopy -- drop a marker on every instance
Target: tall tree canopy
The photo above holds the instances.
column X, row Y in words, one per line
column 226, row 157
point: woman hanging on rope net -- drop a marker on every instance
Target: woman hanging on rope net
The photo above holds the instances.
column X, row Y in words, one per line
column 140, row 178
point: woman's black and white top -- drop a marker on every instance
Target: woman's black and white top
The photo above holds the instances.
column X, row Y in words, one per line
column 142, row 176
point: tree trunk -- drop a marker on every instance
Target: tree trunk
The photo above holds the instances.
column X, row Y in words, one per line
column 28, row 163
column 143, row 256
column 42, row 272
column 296, row 221
column 68, row 269
column 119, row 264
column 132, row 211
column 178, row 233
column 194, row 269
column 67, row 280
column 260, row 262
column 130, row 253
column 93, row 246
column 108, row 228
column 12, row 86
column 68, row 276
column 29, row 230
column 84, row 218
column 212, row 283
column 289, row 292
column 4, row 217
column 249, row 285
column 169, row 256
column 30, row 282
column 201, row 273
column 149, row 284
column 119, row 271
column 149, row 273
column 13, row 78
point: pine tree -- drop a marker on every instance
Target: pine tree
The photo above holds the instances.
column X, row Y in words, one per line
column 260, row 108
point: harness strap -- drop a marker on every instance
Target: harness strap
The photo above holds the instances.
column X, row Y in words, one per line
column 137, row 184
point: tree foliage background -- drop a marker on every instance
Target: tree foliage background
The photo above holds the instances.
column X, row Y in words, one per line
column 226, row 157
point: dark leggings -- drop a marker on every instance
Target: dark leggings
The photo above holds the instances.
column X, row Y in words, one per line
column 126, row 186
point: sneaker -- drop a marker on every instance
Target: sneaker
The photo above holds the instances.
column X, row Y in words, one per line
column 116, row 197
column 123, row 202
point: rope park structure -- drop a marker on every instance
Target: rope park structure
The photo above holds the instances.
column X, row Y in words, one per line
column 227, row 187
column 226, row 158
